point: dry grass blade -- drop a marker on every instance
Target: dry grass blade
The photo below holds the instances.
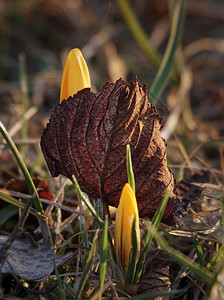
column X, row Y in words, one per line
column 204, row 44
column 27, row 116
column 56, row 197
column 181, row 96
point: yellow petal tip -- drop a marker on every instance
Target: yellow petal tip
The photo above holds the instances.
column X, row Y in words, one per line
column 75, row 75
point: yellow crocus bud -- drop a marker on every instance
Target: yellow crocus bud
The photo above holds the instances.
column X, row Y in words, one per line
column 75, row 75
column 126, row 212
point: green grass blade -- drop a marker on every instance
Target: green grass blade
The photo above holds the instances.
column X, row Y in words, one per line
column 216, row 258
column 41, row 217
column 165, row 67
column 154, row 295
column 138, row 32
column 131, row 177
column 60, row 285
column 87, row 267
column 159, row 212
column 11, row 200
column 21, row 164
column 199, row 252
column 103, row 255
column 216, row 279
column 133, row 255
column 155, row 221
column 15, row 202
column 182, row 259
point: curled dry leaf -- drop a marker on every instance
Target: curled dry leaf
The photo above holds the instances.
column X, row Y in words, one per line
column 87, row 136
column 155, row 280
column 29, row 262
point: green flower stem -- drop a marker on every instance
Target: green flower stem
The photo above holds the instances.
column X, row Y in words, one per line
column 21, row 164
column 138, row 32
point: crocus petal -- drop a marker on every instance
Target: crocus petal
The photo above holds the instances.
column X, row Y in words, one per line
column 127, row 211
column 75, row 75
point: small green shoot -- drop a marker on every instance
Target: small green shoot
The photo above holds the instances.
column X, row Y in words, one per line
column 131, row 177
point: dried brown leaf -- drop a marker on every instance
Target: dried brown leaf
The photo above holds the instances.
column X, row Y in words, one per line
column 87, row 136
column 154, row 281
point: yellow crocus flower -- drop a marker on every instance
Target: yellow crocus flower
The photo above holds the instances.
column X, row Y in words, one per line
column 126, row 212
column 75, row 75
